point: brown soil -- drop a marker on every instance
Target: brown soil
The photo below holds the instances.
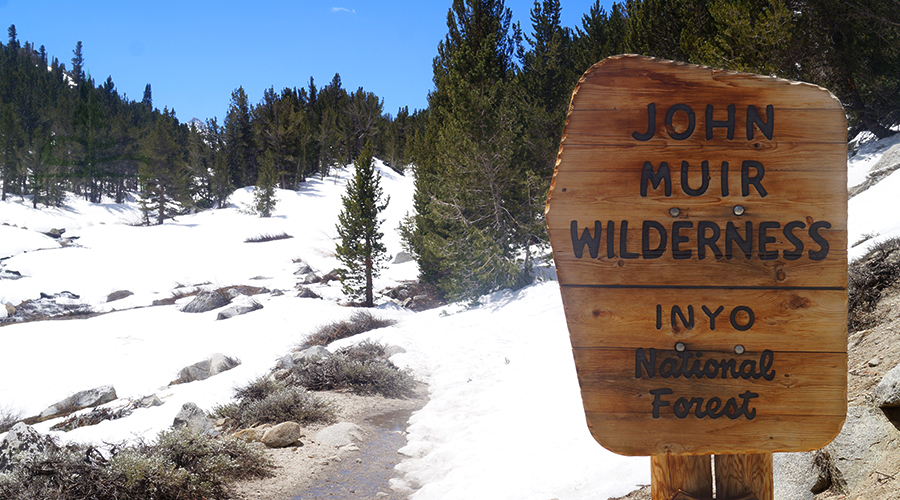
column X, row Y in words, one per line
column 304, row 471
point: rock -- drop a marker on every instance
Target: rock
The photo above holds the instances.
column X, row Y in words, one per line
column 867, row 436
column 55, row 233
column 340, row 434
column 6, row 274
column 280, row 374
column 250, row 435
column 283, row 434
column 310, row 278
column 21, row 441
column 118, row 295
column 303, row 269
column 889, row 160
column 306, row 293
column 241, row 305
column 202, row 370
column 206, row 301
column 887, row 392
column 148, row 402
column 84, row 399
column 875, row 361
column 403, row 257
column 390, row 350
column 61, row 295
column 795, row 475
column 233, row 293
column 285, row 363
column 315, row 351
column 195, row 419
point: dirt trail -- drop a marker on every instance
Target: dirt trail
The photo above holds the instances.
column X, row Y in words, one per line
column 317, row 471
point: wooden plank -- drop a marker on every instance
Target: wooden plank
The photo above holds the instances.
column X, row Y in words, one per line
column 798, row 380
column 737, row 475
column 615, row 126
column 636, row 75
column 670, row 474
column 627, row 157
column 765, row 434
column 627, row 318
column 668, row 272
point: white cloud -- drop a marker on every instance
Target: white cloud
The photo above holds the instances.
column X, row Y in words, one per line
column 343, row 9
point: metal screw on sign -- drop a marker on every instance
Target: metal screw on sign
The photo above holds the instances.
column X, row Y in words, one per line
column 681, row 495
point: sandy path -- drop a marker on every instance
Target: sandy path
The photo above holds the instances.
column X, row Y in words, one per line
column 314, row 470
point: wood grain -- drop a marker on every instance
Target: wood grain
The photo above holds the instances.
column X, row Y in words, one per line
column 619, row 288
column 746, row 473
column 802, row 382
column 673, row 473
column 626, row 318
column 633, row 434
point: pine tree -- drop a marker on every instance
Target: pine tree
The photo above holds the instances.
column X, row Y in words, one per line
column 148, row 97
column 547, row 78
column 264, row 193
column 361, row 250
column 163, row 172
column 240, row 147
column 476, row 202
column 77, row 64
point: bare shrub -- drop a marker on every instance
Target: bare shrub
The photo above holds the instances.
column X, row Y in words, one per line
column 360, row 322
column 869, row 276
column 267, row 237
column 270, row 402
column 363, row 369
column 181, row 464
column 8, row 417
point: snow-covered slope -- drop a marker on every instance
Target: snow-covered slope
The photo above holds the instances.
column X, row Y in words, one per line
column 504, row 419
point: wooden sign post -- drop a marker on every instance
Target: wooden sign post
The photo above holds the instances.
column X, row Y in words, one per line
column 698, row 220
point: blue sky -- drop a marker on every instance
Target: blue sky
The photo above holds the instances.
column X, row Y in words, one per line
column 195, row 53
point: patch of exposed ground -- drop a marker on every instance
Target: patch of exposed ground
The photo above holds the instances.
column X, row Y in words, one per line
column 314, row 470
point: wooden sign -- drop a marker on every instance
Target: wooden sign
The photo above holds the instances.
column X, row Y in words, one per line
column 698, row 220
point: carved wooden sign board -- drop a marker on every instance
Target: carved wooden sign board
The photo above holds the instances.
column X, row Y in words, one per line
column 698, row 220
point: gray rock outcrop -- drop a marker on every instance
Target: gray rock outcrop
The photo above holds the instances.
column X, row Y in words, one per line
column 305, row 293
column 206, row 301
column 202, row 370
column 118, row 295
column 80, row 400
column 195, row 419
column 866, row 437
column 241, row 305
column 795, row 475
column 21, row 441
column 315, row 351
column 887, row 392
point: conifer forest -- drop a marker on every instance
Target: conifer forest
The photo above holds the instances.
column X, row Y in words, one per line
column 482, row 152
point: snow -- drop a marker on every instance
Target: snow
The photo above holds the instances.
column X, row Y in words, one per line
column 871, row 217
column 504, row 419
